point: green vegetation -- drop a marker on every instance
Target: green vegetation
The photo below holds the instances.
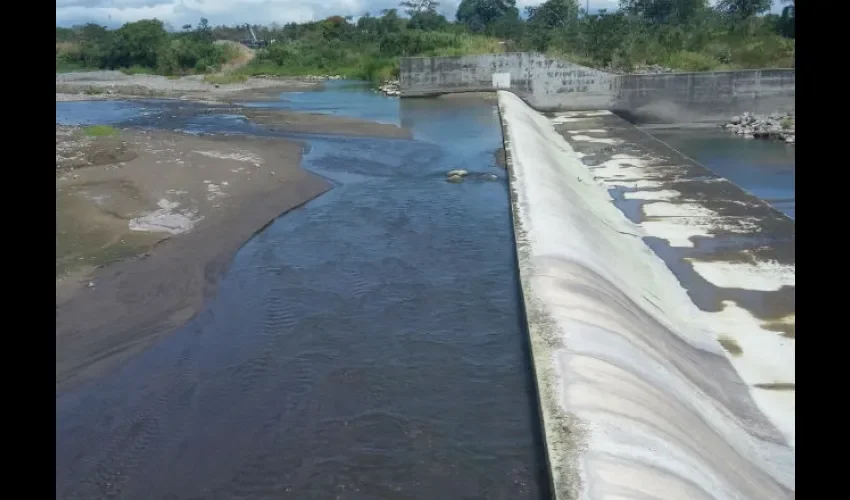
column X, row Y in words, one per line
column 137, row 70
column 686, row 35
column 140, row 47
column 100, row 131
column 368, row 53
column 225, row 78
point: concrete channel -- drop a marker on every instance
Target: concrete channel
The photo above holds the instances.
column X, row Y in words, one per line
column 660, row 306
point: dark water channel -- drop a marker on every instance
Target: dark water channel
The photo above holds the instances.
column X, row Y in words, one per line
column 766, row 169
column 367, row 346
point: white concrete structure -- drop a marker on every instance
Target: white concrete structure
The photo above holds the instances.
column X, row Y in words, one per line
column 638, row 398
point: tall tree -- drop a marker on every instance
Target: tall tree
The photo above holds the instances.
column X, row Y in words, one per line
column 744, row 9
column 663, row 11
column 138, row 43
column 788, row 19
column 478, row 14
column 413, row 7
column 553, row 13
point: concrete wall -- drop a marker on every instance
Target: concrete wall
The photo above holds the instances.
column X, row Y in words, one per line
column 544, row 82
column 710, row 96
column 549, row 84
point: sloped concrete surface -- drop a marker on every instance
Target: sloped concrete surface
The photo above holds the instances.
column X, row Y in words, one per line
column 639, row 397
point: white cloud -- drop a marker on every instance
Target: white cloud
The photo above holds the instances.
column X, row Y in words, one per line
column 231, row 12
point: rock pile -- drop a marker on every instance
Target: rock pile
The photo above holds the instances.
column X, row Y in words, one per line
column 456, row 175
column 777, row 126
column 459, row 175
column 323, row 77
column 652, row 69
column 641, row 69
column 390, row 88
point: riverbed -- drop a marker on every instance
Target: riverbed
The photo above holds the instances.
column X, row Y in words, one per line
column 765, row 168
column 369, row 345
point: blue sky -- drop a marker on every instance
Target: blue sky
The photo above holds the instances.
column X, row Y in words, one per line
column 113, row 13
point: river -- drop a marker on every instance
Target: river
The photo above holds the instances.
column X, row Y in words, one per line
column 766, row 169
column 369, row 345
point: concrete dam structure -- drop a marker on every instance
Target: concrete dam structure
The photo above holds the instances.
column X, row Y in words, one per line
column 659, row 297
column 549, row 84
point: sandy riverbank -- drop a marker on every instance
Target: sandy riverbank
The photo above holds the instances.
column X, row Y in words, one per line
column 148, row 221
column 146, row 224
column 101, row 85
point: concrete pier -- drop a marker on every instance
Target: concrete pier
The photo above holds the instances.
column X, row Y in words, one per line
column 660, row 305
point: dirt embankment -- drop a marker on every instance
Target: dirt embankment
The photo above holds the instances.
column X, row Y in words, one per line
column 244, row 55
column 95, row 85
column 148, row 221
column 305, row 123
column 194, row 200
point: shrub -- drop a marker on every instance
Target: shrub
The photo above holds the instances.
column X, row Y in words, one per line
column 100, row 131
column 691, row 61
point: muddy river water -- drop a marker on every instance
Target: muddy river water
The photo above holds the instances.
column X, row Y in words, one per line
column 369, row 345
column 767, row 169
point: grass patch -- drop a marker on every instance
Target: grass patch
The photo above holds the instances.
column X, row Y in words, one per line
column 787, row 123
column 266, row 68
column 69, row 67
column 691, row 61
column 137, row 70
column 226, row 78
column 100, row 131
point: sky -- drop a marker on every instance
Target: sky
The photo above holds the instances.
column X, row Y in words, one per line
column 113, row 13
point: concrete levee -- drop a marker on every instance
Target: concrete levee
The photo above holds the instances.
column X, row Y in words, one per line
column 642, row 394
column 709, row 96
column 544, row 82
column 549, row 84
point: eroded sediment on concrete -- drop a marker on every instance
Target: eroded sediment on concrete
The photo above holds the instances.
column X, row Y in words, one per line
column 643, row 392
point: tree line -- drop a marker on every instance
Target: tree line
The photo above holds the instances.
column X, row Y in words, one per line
column 681, row 34
column 140, row 46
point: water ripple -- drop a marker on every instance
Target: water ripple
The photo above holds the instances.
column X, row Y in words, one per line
column 369, row 346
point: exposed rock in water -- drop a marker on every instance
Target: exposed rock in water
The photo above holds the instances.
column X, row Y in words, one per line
column 462, row 175
column 390, row 88
column 501, row 158
column 776, row 126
